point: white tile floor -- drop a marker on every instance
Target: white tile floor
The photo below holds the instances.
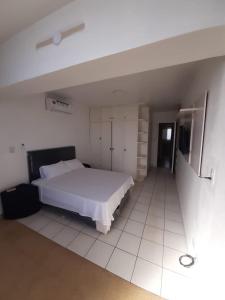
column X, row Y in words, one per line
column 144, row 243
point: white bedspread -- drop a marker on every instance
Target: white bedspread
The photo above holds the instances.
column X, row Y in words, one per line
column 89, row 192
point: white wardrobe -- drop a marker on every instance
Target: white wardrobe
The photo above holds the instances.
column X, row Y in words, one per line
column 114, row 138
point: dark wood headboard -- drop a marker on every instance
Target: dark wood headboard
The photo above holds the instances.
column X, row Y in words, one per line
column 38, row 158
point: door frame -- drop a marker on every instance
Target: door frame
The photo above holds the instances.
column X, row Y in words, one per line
column 173, row 167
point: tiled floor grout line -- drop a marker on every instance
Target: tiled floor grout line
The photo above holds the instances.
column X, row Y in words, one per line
column 116, row 245
column 181, row 235
column 61, row 231
column 175, row 272
column 92, row 244
column 149, row 240
column 127, row 219
column 163, row 238
column 79, row 232
column 66, row 225
column 154, row 192
column 39, row 230
column 54, row 235
column 72, row 240
column 143, row 230
column 160, row 266
column 118, row 240
column 153, row 264
column 113, row 250
column 125, row 231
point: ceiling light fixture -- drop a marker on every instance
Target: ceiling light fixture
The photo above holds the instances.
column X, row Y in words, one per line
column 58, row 36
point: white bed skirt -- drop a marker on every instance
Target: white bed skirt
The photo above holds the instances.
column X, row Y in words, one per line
column 88, row 192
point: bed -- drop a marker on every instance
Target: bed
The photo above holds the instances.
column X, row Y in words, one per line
column 89, row 192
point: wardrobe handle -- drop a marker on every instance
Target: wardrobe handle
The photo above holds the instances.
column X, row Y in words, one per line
column 111, row 149
column 124, row 149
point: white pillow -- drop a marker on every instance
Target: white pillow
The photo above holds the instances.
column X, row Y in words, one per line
column 73, row 164
column 54, row 170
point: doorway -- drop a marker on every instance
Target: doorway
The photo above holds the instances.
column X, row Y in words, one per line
column 165, row 145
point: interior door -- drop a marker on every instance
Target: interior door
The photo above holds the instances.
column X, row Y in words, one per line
column 165, row 145
column 130, row 147
column 106, row 157
column 118, row 145
column 96, row 144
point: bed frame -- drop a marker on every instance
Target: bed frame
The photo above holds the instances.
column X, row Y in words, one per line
column 38, row 158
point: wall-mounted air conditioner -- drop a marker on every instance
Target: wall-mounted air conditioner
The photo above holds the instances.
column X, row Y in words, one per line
column 57, row 103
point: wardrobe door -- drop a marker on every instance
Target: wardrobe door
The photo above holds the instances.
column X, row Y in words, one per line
column 96, row 144
column 118, row 145
column 130, row 147
column 106, row 159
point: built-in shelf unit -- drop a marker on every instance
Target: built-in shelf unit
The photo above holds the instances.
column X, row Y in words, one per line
column 142, row 142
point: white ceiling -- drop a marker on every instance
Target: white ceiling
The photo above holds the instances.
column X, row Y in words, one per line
column 16, row 15
column 162, row 88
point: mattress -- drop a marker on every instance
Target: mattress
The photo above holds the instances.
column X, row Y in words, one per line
column 89, row 192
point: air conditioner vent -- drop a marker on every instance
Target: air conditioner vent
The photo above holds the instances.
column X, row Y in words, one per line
column 58, row 103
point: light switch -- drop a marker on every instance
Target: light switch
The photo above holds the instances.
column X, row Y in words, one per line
column 213, row 176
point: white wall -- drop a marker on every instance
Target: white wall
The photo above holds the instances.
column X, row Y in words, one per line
column 202, row 202
column 156, row 118
column 26, row 121
column 111, row 27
